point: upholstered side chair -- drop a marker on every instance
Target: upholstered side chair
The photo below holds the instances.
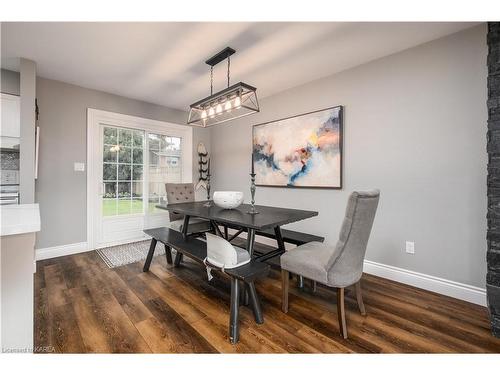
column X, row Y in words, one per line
column 339, row 265
column 182, row 193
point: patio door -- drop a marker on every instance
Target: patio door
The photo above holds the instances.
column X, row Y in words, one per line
column 129, row 161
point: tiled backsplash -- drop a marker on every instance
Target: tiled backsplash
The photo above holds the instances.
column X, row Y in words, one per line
column 9, row 160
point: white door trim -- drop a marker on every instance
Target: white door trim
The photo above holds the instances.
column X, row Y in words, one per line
column 94, row 118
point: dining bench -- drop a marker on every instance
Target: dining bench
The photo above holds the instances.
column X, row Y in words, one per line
column 197, row 250
column 289, row 236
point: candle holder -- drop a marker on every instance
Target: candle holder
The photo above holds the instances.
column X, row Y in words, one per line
column 209, row 202
column 252, row 210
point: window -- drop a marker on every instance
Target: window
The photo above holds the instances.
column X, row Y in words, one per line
column 164, row 166
column 122, row 171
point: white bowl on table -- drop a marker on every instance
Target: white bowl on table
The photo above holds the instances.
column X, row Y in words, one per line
column 228, row 199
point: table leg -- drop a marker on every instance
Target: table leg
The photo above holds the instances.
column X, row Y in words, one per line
column 185, row 226
column 217, row 230
column 149, row 258
column 250, row 245
column 279, row 239
column 168, row 254
column 254, row 301
column 178, row 259
column 226, row 233
column 250, row 240
column 234, row 329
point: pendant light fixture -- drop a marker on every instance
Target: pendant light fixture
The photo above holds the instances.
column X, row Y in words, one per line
column 228, row 104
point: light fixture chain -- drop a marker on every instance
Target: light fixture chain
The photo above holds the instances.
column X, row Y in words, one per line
column 211, row 80
column 228, row 69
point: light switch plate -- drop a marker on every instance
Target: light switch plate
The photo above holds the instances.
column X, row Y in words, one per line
column 79, row 167
column 410, row 247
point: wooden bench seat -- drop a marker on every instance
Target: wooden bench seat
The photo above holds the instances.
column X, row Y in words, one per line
column 197, row 250
column 289, row 236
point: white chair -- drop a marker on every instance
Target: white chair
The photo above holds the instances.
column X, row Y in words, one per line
column 221, row 254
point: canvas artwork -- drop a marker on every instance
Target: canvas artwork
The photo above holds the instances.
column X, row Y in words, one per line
column 301, row 151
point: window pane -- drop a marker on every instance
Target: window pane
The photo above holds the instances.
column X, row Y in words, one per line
column 110, row 136
column 125, row 155
column 110, row 190
column 123, row 206
column 138, row 139
column 137, row 189
column 163, row 142
column 137, row 172
column 164, row 166
column 173, row 143
column 125, row 137
column 109, row 154
column 109, row 207
column 122, row 147
column 154, row 142
column 153, row 157
column 109, row 172
column 136, row 206
column 124, row 172
column 124, row 190
column 137, row 156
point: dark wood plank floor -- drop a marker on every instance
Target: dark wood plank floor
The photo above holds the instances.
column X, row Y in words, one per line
column 83, row 306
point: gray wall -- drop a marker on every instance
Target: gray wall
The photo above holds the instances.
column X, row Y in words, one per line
column 9, row 82
column 415, row 127
column 60, row 191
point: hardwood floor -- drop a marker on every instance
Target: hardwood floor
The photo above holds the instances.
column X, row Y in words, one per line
column 83, row 306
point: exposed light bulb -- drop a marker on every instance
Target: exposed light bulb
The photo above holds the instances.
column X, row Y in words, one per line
column 218, row 109
column 204, row 114
column 227, row 106
column 237, row 102
column 211, row 112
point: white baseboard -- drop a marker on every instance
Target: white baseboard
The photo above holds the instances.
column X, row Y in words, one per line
column 449, row 288
column 59, row 251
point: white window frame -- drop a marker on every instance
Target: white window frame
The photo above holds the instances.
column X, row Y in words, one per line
column 97, row 117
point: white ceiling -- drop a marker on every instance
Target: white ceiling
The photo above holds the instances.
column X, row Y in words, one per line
column 163, row 63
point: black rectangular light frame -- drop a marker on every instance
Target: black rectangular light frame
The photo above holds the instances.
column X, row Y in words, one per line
column 223, row 92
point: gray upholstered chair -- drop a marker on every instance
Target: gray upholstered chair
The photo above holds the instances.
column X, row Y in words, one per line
column 181, row 193
column 336, row 266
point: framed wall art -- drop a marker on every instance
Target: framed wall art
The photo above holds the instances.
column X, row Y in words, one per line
column 303, row 151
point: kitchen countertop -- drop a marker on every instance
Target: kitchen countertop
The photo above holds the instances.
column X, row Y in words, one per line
column 19, row 219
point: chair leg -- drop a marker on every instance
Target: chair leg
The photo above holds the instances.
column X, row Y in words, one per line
column 341, row 312
column 359, row 297
column 285, row 281
column 300, row 281
column 313, row 286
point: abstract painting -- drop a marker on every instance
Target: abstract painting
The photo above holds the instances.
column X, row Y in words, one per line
column 301, row 151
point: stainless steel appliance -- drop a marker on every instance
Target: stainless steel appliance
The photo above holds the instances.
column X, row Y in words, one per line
column 9, row 187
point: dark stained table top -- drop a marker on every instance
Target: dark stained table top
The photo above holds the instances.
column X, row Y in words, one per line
column 268, row 217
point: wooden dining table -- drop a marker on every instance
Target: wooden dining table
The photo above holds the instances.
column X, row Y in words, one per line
column 268, row 217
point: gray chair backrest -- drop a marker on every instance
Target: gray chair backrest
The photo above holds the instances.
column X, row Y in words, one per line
column 179, row 193
column 345, row 266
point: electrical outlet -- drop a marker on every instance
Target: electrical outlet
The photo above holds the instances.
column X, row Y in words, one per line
column 410, row 247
